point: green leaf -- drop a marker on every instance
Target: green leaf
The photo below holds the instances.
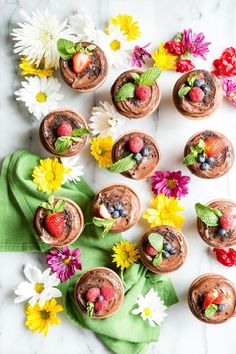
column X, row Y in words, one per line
column 149, row 76
column 51, row 200
column 66, row 48
column 200, row 146
column 60, row 205
column 157, row 260
column 211, row 310
column 125, row 91
column 184, row 90
column 90, row 308
column 91, row 47
column 63, row 143
column 179, row 36
column 156, row 241
column 190, row 159
column 209, row 216
column 46, row 206
column 106, row 224
column 80, row 131
column 79, row 47
column 194, row 152
column 123, row 165
column 191, row 79
column 136, row 77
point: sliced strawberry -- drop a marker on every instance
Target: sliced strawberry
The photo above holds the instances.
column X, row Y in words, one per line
column 214, row 146
column 104, row 213
column 221, row 299
column 80, row 62
column 210, row 296
column 54, row 224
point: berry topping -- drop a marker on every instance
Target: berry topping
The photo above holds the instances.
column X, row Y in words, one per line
column 198, row 83
column 221, row 299
column 151, row 250
column 103, row 212
column 92, row 294
column 135, row 144
column 100, row 297
column 210, row 296
column 227, row 221
column 100, row 305
column 54, row 224
column 138, row 157
column 201, row 158
column 204, row 166
column 221, row 232
column 221, row 307
column 80, row 62
column 111, row 209
column 167, row 247
column 210, row 160
column 123, row 212
column 64, row 129
column 118, row 207
column 145, row 151
column 143, row 92
column 173, row 251
column 196, row 94
column 108, row 292
column 214, row 146
column 165, row 255
column 116, row 214
column 205, row 88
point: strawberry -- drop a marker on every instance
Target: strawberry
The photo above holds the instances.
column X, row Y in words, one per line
column 214, row 146
column 92, row 294
column 107, row 292
column 196, row 94
column 55, row 224
column 151, row 250
column 143, row 92
column 135, row 144
column 64, row 129
column 100, row 305
column 103, row 212
column 210, row 296
column 80, row 62
column 227, row 221
column 221, row 299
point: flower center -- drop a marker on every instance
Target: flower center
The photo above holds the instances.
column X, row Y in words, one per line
column 41, row 97
column 50, row 176
column 171, row 183
column 124, row 255
column 115, row 45
column 101, row 151
column 39, row 287
column 232, row 94
column 147, row 312
column 45, row 315
column 46, row 36
column 66, row 261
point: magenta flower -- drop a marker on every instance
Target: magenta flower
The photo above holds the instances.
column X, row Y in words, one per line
column 139, row 54
column 229, row 88
column 194, row 42
column 64, row 262
column 172, row 184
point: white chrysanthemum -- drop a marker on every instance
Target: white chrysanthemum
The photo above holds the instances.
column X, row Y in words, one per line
column 73, row 170
column 39, row 287
column 105, row 120
column 40, row 95
column 37, row 37
column 151, row 308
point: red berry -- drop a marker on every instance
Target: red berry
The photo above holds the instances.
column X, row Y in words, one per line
column 100, row 305
column 107, row 292
column 214, row 146
column 92, row 294
column 210, row 296
column 135, row 144
column 103, row 212
column 227, row 221
column 221, row 299
column 80, row 62
column 64, row 129
column 151, row 250
column 54, row 224
column 196, row 94
column 143, row 92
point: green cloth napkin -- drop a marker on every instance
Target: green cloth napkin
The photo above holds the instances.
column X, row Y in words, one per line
column 122, row 333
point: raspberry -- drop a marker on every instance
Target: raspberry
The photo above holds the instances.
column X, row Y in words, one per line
column 92, row 294
column 214, row 146
column 221, row 299
column 64, row 129
column 107, row 292
column 151, row 250
column 100, row 305
column 135, row 144
column 227, row 221
column 143, row 92
column 196, row 94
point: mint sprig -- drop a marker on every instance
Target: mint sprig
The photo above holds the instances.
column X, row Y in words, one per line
column 125, row 91
column 157, row 241
column 67, row 49
column 184, row 89
column 90, row 308
column 63, row 143
column 210, row 216
column 123, row 165
column 211, row 310
column 148, row 77
column 191, row 158
column 57, row 208
column 106, row 224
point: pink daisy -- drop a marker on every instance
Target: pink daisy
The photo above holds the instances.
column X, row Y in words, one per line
column 138, row 55
column 229, row 88
column 172, row 184
column 194, row 42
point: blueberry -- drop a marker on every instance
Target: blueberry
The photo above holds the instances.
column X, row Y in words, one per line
column 116, row 214
column 221, row 307
column 198, row 83
column 201, row 158
column 173, row 251
column 165, row 255
column 167, row 247
column 117, row 207
column 138, row 157
column 204, row 166
column 145, row 151
column 205, row 88
column 210, row 160
column 123, row 212
column 221, row 232
column 100, row 297
column 110, row 209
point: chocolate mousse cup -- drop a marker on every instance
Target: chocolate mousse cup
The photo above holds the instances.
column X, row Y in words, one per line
column 74, row 224
column 197, row 292
column 135, row 108
column 210, row 234
column 48, row 131
column 148, row 161
column 92, row 77
column 175, row 245
column 97, row 278
column 121, row 200
column 211, row 100
column 222, row 162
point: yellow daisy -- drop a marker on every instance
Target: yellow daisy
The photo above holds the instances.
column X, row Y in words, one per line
column 49, row 175
column 38, row 319
column 127, row 26
column 164, row 212
column 125, row 254
column 163, row 59
column 101, row 150
column 32, row 69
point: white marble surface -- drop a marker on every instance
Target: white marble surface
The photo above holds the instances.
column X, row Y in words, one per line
column 159, row 20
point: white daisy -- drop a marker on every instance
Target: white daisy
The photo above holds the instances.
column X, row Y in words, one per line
column 105, row 120
column 73, row 170
column 40, row 286
column 151, row 308
column 37, row 37
column 39, row 95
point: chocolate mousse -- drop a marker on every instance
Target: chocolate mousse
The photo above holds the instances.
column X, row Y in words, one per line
column 141, row 99
column 99, row 292
column 197, row 94
column 58, row 222
column 212, row 298
column 163, row 249
column 63, row 132
column 216, row 222
column 119, row 204
column 208, row 154
column 86, row 69
column 145, row 153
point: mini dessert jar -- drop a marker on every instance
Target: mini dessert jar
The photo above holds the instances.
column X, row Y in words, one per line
column 197, row 94
column 99, row 292
column 212, row 298
column 163, row 249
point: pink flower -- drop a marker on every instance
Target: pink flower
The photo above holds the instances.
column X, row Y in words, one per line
column 229, row 89
column 64, row 262
column 195, row 43
column 139, row 54
column 227, row 257
column 184, row 65
column 172, row 184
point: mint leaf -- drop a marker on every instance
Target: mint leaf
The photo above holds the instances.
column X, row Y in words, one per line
column 126, row 91
column 66, row 48
column 157, row 260
column 123, row 165
column 46, row 206
column 211, row 310
column 209, row 216
column 80, row 131
column 190, row 159
column 136, row 77
column 183, row 91
column 63, row 143
column 156, row 241
column 59, row 207
column 90, row 308
column 90, row 47
column 200, row 146
column 106, row 224
column 149, row 76
column 191, row 79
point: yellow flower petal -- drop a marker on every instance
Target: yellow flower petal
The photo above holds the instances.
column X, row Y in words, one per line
column 32, row 69
column 163, row 59
column 127, row 26
column 125, row 254
column 101, row 150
